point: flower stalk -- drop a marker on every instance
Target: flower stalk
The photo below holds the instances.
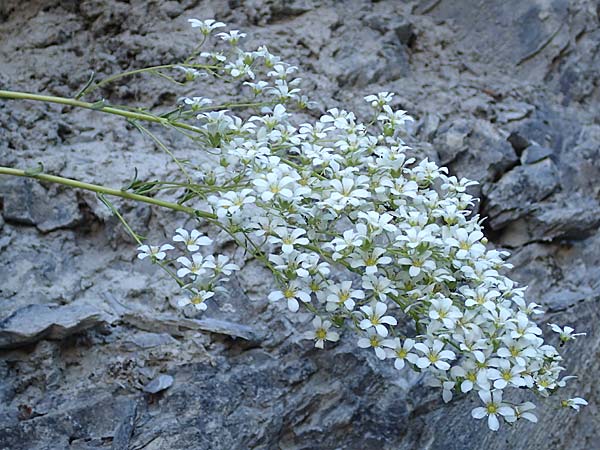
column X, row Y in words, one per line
column 104, row 190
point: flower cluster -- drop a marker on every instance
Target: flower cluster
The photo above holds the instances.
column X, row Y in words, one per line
column 363, row 237
column 199, row 275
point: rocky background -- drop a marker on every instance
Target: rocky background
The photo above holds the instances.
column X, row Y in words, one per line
column 92, row 354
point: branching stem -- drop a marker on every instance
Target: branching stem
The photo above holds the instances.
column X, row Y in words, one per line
column 105, row 190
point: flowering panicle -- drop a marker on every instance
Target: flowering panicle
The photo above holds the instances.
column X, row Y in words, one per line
column 305, row 198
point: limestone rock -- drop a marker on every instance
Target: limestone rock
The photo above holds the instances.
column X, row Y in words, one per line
column 35, row 322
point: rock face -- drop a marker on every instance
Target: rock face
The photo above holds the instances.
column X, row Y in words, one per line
column 92, row 355
column 35, row 322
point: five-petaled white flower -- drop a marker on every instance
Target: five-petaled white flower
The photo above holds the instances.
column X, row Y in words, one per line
column 192, row 267
column 375, row 318
column 220, row 264
column 206, row 26
column 522, row 411
column 154, row 251
column 434, row 354
column 289, row 238
column 192, row 240
column 321, row 332
column 197, row 299
column 566, row 333
column 401, row 351
column 574, row 403
column 374, row 340
column 493, row 407
column 293, row 292
column 343, row 294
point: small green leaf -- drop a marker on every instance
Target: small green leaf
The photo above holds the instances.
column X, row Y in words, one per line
column 36, row 171
column 87, row 85
column 99, row 104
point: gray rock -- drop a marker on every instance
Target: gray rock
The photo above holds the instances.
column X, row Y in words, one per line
column 148, row 340
column 175, row 325
column 572, row 218
column 518, row 190
column 35, row 322
column 27, row 202
column 534, row 153
column 474, row 149
column 480, row 73
column 405, row 32
column 518, row 142
column 513, row 111
column 286, row 8
column 160, row 383
column 122, row 435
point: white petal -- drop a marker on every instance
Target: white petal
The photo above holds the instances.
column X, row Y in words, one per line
column 380, row 352
column 479, row 413
column 293, row 304
column 381, row 330
column 493, row 423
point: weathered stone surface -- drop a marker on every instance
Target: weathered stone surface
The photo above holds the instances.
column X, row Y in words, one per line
column 518, row 190
column 472, row 74
column 35, row 322
column 25, row 201
column 159, row 384
column 175, row 324
column 534, row 153
column 475, row 149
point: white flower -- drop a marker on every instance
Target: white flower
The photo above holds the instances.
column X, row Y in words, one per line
column 374, row 317
column 520, row 351
column 374, row 340
column 292, row 293
column 400, row 351
column 522, row 411
column 343, row 294
column 370, row 260
column 505, row 374
column 467, row 243
column 379, row 100
column 232, row 36
column 192, row 240
column 190, row 73
column 443, row 309
column 321, row 333
column 197, row 103
column 206, row 26
column 198, row 300
column 289, row 238
column 574, row 403
column 566, row 333
column 192, row 267
column 493, row 408
column 231, row 202
column 220, row 264
column 521, row 326
column 274, row 184
column 434, row 355
column 155, row 252
column 345, row 192
column 380, row 285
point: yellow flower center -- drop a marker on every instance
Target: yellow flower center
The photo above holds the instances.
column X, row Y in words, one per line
column 321, row 334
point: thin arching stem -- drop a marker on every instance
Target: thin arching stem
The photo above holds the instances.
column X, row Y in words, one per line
column 105, row 190
column 98, row 106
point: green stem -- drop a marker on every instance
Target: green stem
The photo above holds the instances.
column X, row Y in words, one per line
column 14, row 95
column 112, row 78
column 105, row 190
